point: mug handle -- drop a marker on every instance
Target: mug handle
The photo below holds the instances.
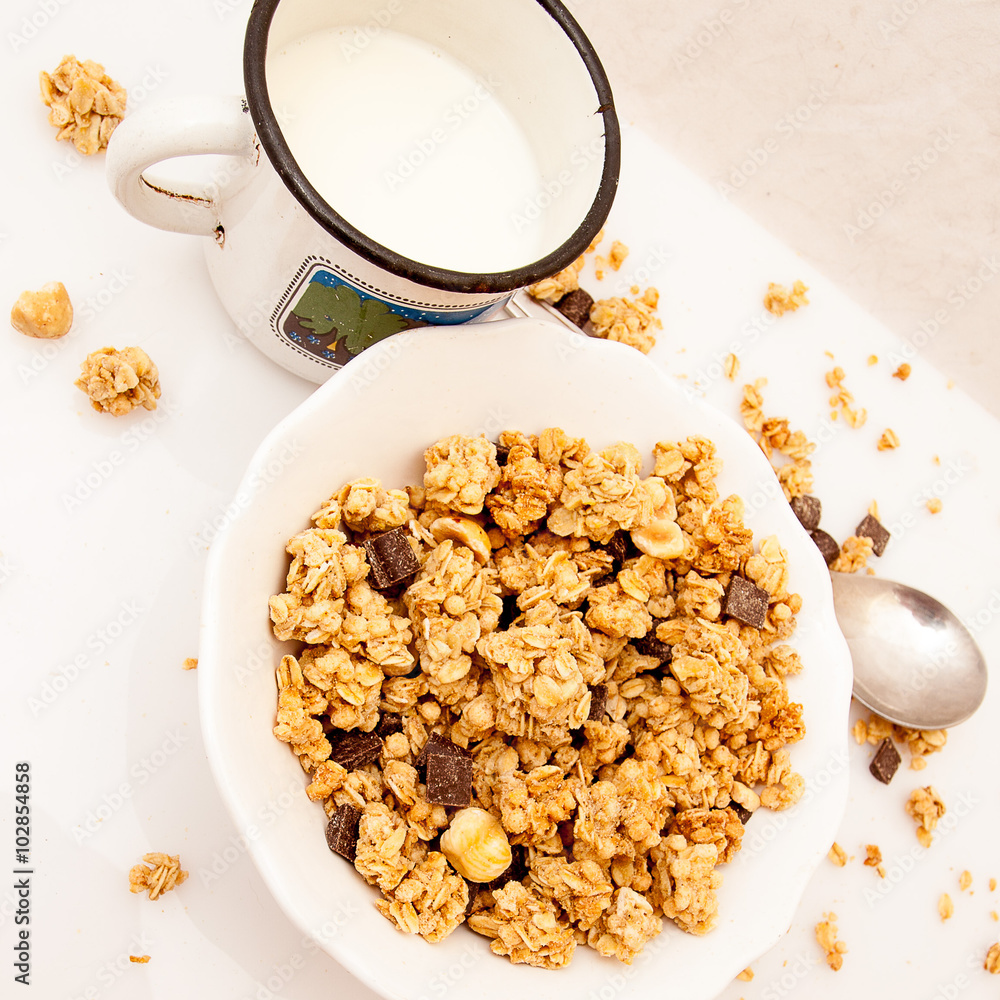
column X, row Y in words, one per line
column 180, row 127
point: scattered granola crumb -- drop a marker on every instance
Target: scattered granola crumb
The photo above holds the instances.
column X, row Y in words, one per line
column 614, row 260
column 993, row 885
column 773, row 434
column 853, row 556
column 926, row 807
column 872, row 359
column 902, row 372
column 119, row 381
column 746, row 975
column 946, row 908
column 191, row 663
column 731, row 367
column 557, row 286
column 920, row 742
column 594, row 243
column 826, row 935
column 888, row 440
column 780, row 300
column 843, row 399
column 567, row 280
column 46, row 313
column 934, row 505
column 837, row 855
column 992, row 963
column 752, row 405
column 994, row 915
column 84, row 103
column 965, row 880
column 874, row 858
column 160, row 873
column 140, row 959
column 628, row 321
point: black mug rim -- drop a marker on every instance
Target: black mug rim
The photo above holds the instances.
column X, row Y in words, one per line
column 269, row 133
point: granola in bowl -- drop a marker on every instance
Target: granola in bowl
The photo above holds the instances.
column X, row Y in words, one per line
column 522, row 619
column 604, row 660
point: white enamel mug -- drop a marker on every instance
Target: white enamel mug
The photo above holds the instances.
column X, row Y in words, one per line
column 304, row 283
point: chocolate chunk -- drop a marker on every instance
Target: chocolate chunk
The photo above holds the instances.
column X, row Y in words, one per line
column 503, row 453
column 885, row 761
column 575, row 306
column 388, row 724
column 872, row 528
column 649, row 645
column 827, row 544
column 620, row 547
column 449, row 774
column 342, row 831
column 741, row 811
column 746, row 602
column 448, row 771
column 516, row 871
column 808, row 510
column 352, row 749
column 436, row 743
column 390, row 557
column 598, row 701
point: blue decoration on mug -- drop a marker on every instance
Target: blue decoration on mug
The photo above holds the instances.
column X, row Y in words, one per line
column 333, row 319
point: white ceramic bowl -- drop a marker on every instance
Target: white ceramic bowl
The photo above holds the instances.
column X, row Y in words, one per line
column 375, row 418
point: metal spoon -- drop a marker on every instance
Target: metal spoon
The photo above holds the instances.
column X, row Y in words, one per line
column 915, row 663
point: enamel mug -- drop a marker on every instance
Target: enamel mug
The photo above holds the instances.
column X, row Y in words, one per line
column 394, row 164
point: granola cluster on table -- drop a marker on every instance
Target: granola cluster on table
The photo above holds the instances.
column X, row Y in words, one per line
column 541, row 693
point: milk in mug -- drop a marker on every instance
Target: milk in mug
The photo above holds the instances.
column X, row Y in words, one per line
column 410, row 147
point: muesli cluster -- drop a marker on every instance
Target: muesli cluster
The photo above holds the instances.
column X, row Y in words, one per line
column 159, row 873
column 118, row 381
column 779, row 299
column 540, row 693
column 84, row 103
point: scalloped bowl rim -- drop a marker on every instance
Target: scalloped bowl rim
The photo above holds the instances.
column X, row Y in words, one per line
column 372, row 418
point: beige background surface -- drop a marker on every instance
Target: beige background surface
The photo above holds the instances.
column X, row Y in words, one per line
column 864, row 136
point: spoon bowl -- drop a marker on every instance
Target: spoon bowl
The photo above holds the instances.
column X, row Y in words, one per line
column 915, row 663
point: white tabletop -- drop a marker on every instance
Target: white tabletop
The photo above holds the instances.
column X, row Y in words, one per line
column 104, row 523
